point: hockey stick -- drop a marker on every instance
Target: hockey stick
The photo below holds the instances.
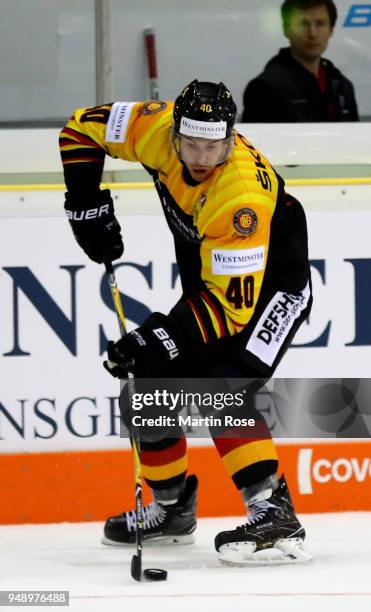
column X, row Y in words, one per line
column 150, row 41
column 136, row 561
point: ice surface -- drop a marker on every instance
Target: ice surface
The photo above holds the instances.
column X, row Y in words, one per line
column 70, row 557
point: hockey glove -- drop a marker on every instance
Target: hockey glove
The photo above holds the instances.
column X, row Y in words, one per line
column 95, row 226
column 146, row 348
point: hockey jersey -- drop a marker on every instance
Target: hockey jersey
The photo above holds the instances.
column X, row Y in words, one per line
column 233, row 232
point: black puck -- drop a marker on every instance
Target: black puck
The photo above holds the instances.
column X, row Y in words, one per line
column 155, row 574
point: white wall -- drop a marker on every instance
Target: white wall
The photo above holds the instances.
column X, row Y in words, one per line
column 50, row 62
column 48, row 57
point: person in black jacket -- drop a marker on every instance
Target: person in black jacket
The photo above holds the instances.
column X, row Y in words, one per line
column 298, row 84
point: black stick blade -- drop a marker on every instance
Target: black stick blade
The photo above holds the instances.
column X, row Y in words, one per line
column 136, row 568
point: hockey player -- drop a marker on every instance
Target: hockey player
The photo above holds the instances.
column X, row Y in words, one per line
column 241, row 248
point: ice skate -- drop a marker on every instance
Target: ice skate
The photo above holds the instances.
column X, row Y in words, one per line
column 162, row 524
column 271, row 535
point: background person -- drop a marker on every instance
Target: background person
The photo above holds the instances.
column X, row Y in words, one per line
column 298, row 84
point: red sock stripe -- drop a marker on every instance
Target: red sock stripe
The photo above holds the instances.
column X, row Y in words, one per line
column 226, row 445
column 154, row 457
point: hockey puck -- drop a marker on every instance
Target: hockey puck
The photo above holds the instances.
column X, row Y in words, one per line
column 155, row 574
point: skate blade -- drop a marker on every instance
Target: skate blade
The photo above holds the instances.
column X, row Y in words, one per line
column 242, row 554
column 159, row 541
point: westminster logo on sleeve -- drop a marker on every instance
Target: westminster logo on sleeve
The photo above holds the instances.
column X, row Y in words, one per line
column 118, row 121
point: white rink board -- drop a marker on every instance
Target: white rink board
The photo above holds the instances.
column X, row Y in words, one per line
column 313, row 143
column 61, row 401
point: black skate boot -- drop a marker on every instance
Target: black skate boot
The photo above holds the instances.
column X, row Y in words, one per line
column 162, row 524
column 272, row 533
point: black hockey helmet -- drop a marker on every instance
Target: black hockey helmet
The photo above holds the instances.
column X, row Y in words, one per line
column 204, row 110
column 205, row 102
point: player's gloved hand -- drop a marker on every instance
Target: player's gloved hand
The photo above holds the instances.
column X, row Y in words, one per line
column 146, row 348
column 95, row 226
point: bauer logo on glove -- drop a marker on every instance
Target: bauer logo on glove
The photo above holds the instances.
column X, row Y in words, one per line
column 95, row 227
column 146, row 348
column 91, row 213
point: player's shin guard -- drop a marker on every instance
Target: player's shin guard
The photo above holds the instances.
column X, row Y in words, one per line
column 272, row 533
column 163, row 523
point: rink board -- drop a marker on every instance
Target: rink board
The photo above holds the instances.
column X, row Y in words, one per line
column 61, row 457
column 88, row 486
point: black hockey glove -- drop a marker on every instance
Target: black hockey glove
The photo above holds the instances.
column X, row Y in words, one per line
column 95, row 226
column 146, row 348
